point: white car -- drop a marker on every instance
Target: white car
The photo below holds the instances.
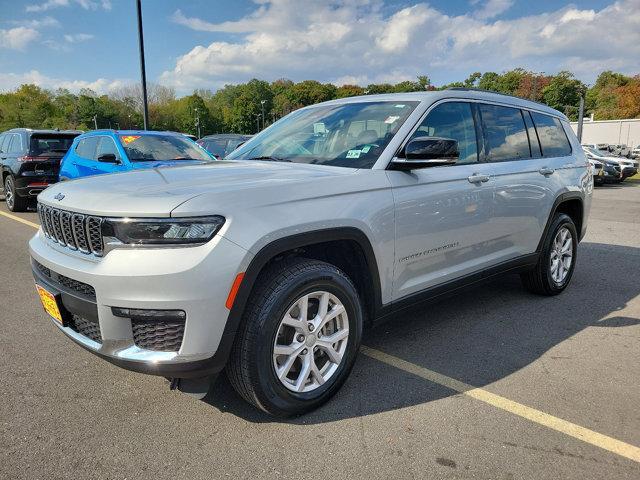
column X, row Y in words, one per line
column 635, row 153
column 628, row 167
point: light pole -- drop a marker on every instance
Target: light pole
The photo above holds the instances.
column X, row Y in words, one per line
column 95, row 121
column 262, row 102
column 198, row 122
column 257, row 123
column 145, row 107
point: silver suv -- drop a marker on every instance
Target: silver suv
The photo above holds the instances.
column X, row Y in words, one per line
column 270, row 263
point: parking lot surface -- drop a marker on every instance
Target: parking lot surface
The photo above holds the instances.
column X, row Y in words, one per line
column 573, row 358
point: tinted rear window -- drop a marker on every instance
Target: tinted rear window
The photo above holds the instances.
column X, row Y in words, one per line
column 505, row 133
column 553, row 139
column 50, row 145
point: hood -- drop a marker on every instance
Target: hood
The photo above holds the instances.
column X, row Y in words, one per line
column 165, row 163
column 155, row 192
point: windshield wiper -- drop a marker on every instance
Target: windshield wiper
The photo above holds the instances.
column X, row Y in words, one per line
column 270, row 159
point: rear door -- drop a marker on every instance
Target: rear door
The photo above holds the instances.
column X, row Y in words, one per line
column 523, row 191
column 83, row 160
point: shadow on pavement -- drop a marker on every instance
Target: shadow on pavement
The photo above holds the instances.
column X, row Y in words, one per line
column 478, row 336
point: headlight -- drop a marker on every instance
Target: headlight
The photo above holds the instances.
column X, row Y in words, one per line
column 161, row 231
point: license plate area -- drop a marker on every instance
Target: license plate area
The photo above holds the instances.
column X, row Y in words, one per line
column 51, row 303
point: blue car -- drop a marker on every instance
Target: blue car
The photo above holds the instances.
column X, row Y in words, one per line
column 110, row 151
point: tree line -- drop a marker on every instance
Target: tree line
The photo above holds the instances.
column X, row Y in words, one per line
column 249, row 107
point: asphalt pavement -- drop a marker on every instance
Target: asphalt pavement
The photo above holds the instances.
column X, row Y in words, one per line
column 547, row 388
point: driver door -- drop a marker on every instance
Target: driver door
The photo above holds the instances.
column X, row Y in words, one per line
column 443, row 213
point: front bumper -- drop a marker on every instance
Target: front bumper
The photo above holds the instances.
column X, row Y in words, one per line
column 629, row 172
column 195, row 280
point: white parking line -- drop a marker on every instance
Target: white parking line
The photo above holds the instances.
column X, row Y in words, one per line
column 18, row 219
column 536, row 416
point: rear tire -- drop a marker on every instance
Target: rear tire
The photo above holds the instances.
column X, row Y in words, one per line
column 14, row 202
column 557, row 260
column 286, row 360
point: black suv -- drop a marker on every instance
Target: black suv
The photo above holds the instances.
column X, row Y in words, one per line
column 30, row 161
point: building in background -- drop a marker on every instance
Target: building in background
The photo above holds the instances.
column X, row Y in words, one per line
column 613, row 132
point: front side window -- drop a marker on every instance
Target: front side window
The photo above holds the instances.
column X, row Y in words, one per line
column 106, row 145
column 505, row 134
column 553, row 140
column 155, row 148
column 343, row 135
column 87, row 147
column 452, row 120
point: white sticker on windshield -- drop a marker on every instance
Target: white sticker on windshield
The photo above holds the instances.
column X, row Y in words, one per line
column 400, row 105
column 353, row 154
column 391, row 118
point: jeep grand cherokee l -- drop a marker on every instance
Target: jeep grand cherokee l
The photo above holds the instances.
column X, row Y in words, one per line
column 269, row 264
column 30, row 161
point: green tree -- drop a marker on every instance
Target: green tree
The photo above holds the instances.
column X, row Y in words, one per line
column 563, row 93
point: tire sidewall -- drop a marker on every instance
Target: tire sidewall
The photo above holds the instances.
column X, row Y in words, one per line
column 271, row 315
column 561, row 221
column 9, row 182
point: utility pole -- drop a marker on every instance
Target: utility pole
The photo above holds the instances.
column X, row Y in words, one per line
column 262, row 102
column 580, row 118
column 258, row 123
column 95, row 121
column 143, row 74
column 198, row 122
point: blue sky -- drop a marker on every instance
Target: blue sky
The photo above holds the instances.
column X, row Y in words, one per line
column 205, row 44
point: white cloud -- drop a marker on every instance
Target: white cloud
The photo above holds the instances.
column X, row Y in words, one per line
column 78, row 37
column 10, row 81
column 361, row 41
column 17, row 38
column 86, row 4
column 35, row 23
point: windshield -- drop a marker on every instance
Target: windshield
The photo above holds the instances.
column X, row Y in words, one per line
column 50, row 144
column 345, row 135
column 150, row 148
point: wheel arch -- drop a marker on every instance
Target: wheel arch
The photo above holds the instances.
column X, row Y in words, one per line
column 571, row 204
column 348, row 248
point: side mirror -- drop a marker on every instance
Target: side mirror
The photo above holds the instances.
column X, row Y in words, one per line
column 108, row 158
column 423, row 152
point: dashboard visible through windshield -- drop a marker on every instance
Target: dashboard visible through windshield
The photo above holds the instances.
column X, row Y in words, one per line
column 343, row 135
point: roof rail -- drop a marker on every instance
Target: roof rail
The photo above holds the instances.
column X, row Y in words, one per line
column 472, row 89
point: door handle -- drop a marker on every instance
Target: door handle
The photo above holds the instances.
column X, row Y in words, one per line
column 546, row 171
column 477, row 178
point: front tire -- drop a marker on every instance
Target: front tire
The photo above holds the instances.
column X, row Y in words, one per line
column 299, row 337
column 557, row 260
column 15, row 203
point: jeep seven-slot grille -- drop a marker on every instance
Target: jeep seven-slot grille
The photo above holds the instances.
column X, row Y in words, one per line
column 73, row 230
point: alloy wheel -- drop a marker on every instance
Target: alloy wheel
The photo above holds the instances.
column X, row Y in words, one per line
column 8, row 193
column 561, row 256
column 311, row 341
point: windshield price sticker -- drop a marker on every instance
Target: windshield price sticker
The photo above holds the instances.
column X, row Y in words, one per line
column 354, row 153
column 127, row 139
column 391, row 118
